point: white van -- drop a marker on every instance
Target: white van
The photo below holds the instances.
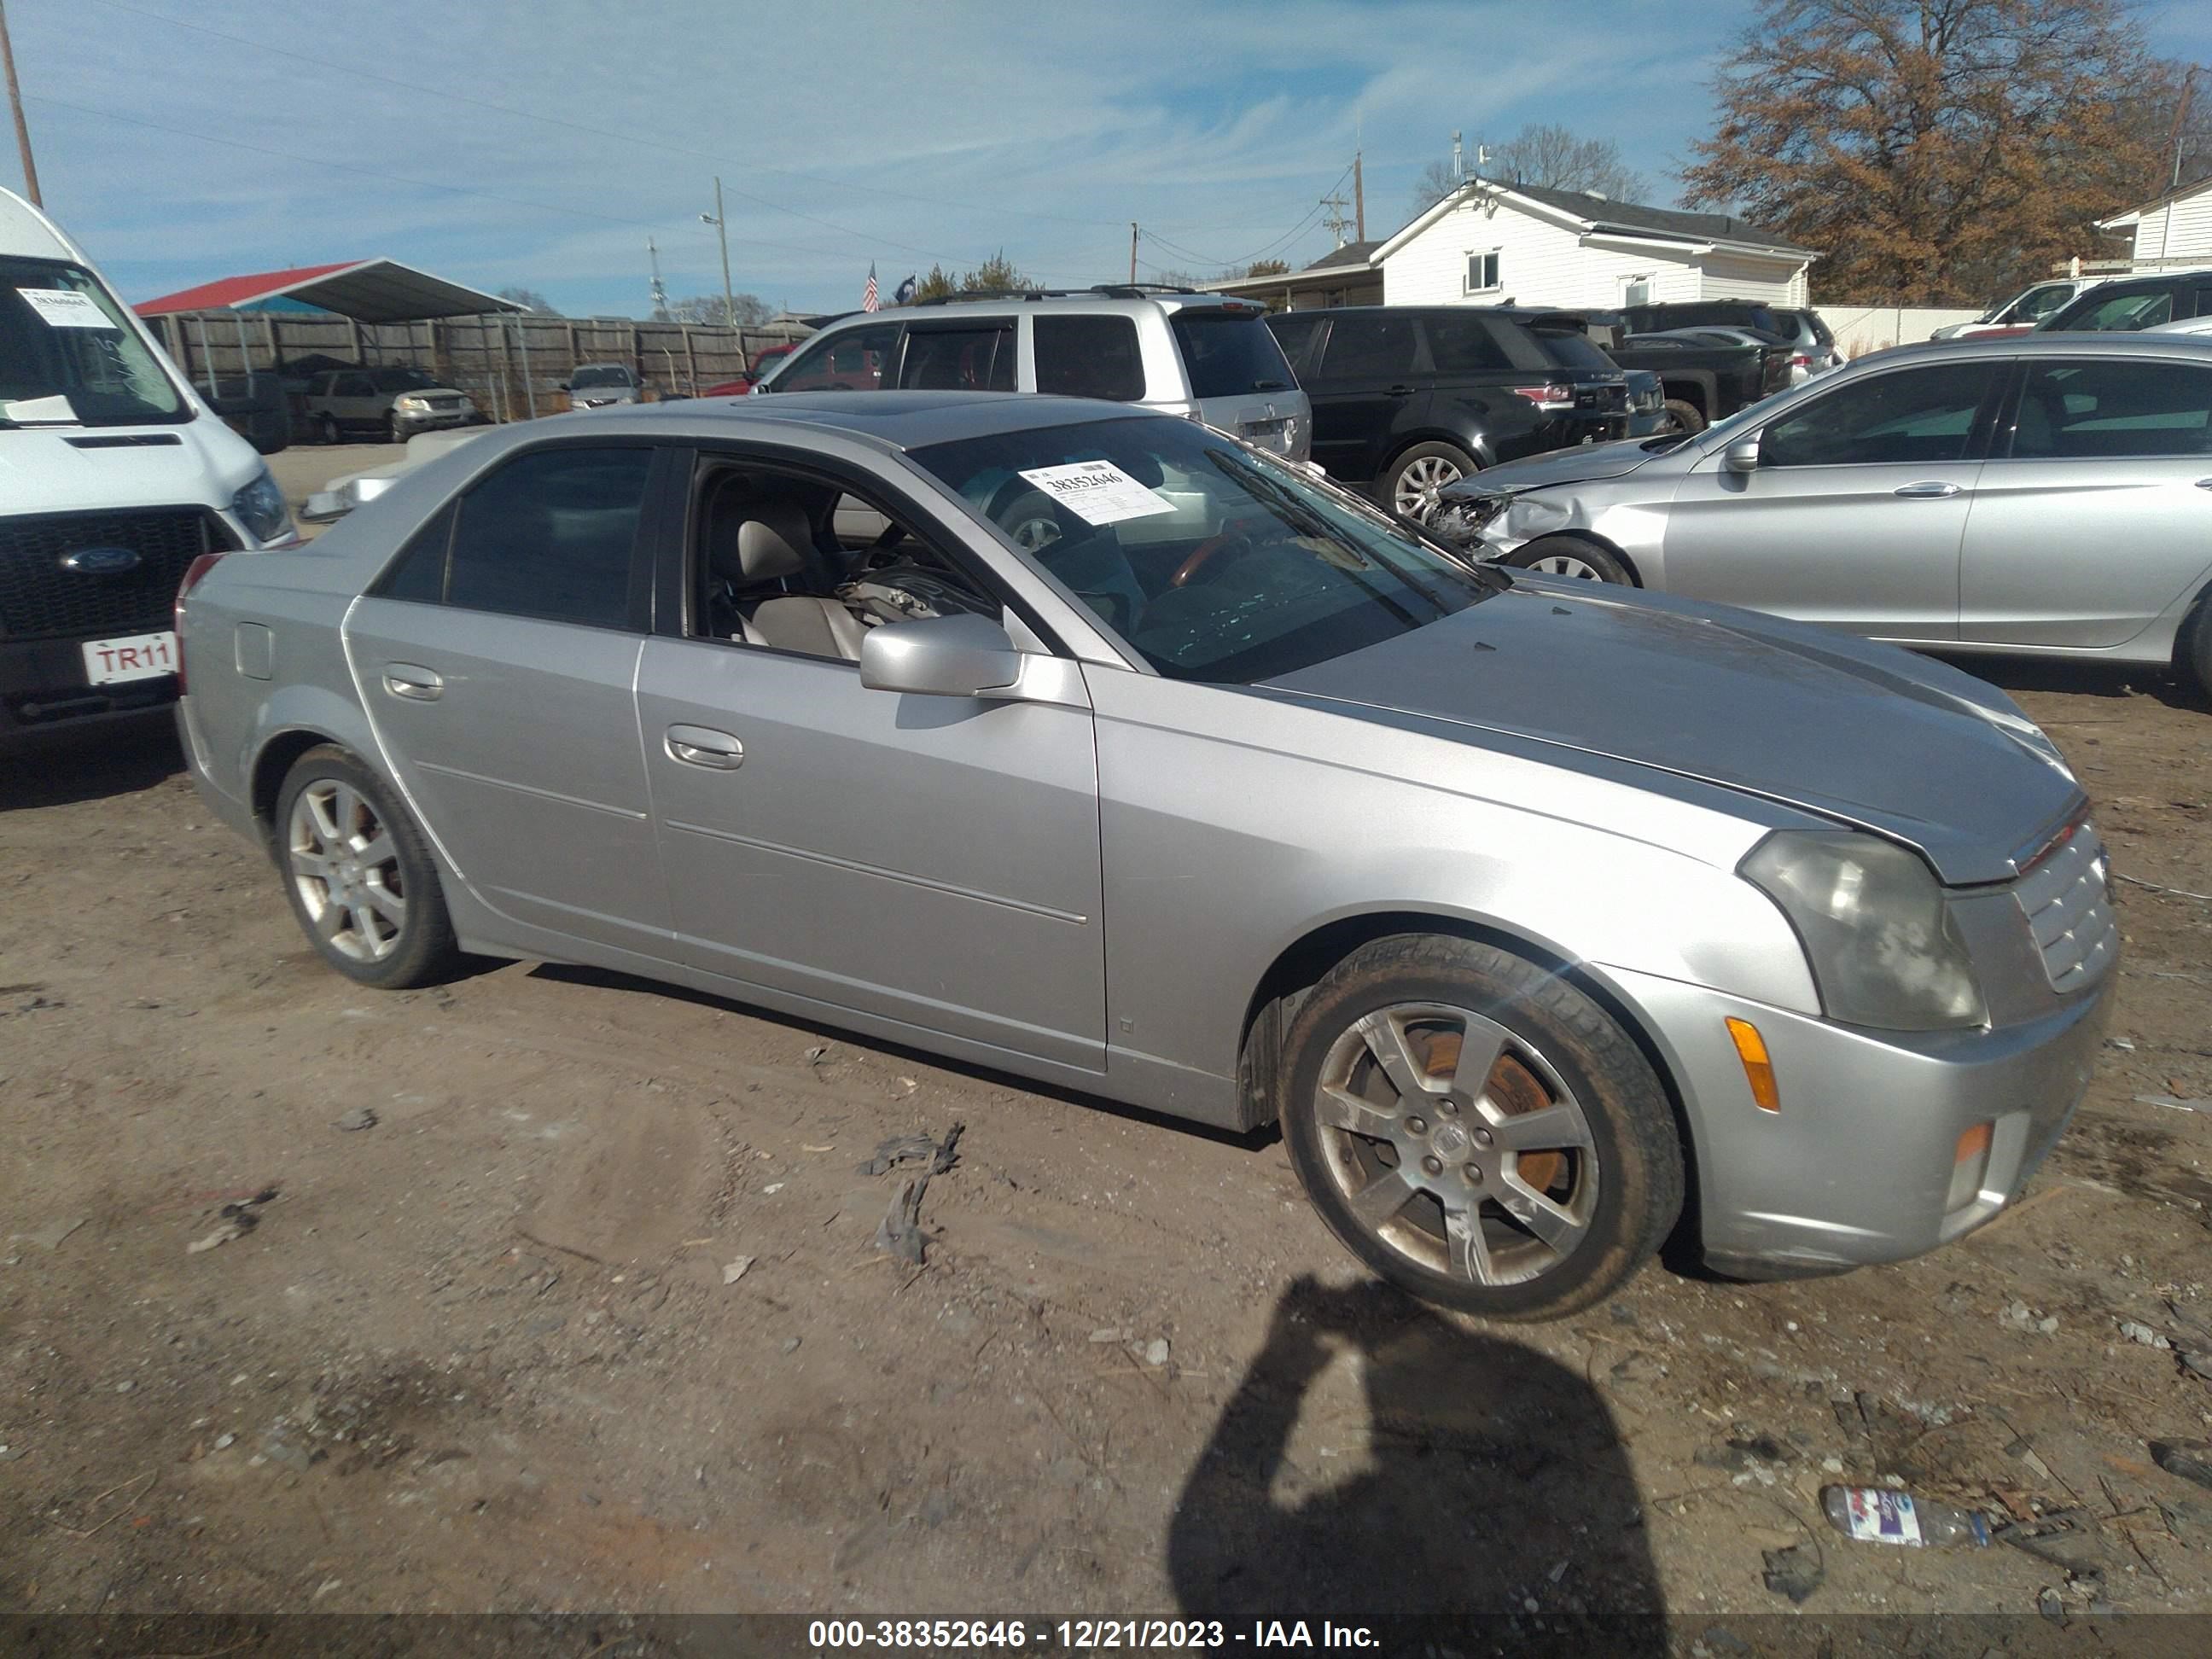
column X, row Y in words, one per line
column 114, row 477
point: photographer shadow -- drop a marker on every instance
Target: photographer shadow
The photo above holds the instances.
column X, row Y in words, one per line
column 1493, row 1478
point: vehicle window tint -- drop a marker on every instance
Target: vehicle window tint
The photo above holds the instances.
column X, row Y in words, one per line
column 354, row 386
column 1089, row 357
column 1916, row 414
column 2074, row 410
column 1295, row 334
column 2120, row 313
column 976, row 358
column 1228, row 354
column 1371, row 344
column 1571, row 350
column 550, row 535
column 419, row 572
column 852, row 361
column 1463, row 345
column 2202, row 305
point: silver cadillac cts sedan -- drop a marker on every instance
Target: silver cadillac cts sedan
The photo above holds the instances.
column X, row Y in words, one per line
column 1543, row 916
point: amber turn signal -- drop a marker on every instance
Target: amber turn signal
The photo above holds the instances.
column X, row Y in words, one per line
column 1758, row 1069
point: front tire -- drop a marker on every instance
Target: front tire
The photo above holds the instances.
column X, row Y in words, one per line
column 1421, row 474
column 1477, row 1130
column 2192, row 653
column 1688, row 419
column 359, row 876
column 1576, row 558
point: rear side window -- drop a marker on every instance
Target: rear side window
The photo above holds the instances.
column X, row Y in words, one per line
column 1463, row 344
column 977, row 359
column 1372, row 343
column 552, row 534
column 1089, row 357
column 1228, row 354
column 1571, row 350
column 2082, row 411
column 1295, row 334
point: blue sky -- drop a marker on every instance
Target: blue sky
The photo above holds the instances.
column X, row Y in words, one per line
column 501, row 142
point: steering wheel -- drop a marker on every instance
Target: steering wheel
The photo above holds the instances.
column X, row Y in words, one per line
column 1205, row 550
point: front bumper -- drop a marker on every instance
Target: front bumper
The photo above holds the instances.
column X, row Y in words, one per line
column 1857, row 1167
column 434, row 420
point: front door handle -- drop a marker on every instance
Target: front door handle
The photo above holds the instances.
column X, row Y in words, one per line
column 416, row 685
column 1397, row 391
column 2204, row 483
column 703, row 745
column 1926, row 492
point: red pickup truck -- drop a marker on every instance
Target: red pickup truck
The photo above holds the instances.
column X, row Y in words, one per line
column 745, row 382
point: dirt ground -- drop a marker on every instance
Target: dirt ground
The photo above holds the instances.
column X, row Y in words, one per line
column 493, row 1351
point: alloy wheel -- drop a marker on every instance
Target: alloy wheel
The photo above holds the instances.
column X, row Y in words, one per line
column 345, row 865
column 1032, row 534
column 1455, row 1144
column 1566, row 564
column 1420, row 482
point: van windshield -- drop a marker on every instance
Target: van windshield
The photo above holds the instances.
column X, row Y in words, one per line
column 67, row 357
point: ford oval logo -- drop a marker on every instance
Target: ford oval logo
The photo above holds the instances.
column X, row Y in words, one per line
column 100, row 560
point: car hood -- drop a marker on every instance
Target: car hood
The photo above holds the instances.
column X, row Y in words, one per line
column 1824, row 722
column 41, row 471
column 1575, row 465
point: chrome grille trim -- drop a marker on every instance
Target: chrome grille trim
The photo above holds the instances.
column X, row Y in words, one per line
column 2067, row 902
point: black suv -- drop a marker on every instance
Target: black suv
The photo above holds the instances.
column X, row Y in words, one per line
column 1811, row 342
column 2133, row 302
column 1410, row 399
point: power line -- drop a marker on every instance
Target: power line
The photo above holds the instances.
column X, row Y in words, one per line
column 1257, row 253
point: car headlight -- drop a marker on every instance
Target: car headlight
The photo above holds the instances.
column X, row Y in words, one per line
column 1878, row 934
column 414, row 403
column 260, row 507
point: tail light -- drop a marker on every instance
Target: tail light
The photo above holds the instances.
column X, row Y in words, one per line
column 1554, row 395
column 197, row 569
column 1801, row 361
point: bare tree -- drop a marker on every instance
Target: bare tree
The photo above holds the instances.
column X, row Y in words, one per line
column 751, row 310
column 1548, row 157
column 529, row 299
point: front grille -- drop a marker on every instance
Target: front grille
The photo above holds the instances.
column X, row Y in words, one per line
column 446, row 404
column 2069, row 906
column 40, row 599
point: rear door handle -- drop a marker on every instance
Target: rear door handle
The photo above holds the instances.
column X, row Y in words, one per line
column 1926, row 492
column 416, row 685
column 703, row 745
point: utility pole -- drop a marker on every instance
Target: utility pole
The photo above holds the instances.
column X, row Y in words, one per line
column 1358, row 199
column 1333, row 218
column 16, row 103
column 659, row 288
column 1132, row 253
column 722, row 230
column 2173, row 139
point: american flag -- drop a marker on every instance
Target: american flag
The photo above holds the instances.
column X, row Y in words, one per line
column 868, row 302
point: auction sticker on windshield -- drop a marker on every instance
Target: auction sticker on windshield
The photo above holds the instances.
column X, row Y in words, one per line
column 1097, row 492
column 63, row 308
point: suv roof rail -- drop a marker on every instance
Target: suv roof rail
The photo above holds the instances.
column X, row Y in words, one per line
column 1102, row 290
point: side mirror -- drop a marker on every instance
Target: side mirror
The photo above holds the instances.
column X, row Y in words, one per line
column 960, row 656
column 1742, row 456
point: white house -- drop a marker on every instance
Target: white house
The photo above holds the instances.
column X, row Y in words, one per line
column 2174, row 230
column 1489, row 243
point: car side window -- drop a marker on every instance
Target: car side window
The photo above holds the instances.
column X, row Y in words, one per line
column 1912, row 416
column 976, row 358
column 550, row 534
column 2135, row 308
column 2087, row 411
column 1295, row 334
column 1367, row 347
column 1463, row 344
column 848, row 362
column 1089, row 357
column 351, row 385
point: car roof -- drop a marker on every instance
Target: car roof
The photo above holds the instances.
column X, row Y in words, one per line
column 902, row 420
column 2054, row 343
column 1124, row 303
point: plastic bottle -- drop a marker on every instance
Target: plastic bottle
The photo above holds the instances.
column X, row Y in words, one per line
column 1879, row 1514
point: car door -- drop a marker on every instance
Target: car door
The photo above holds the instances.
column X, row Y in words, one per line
column 929, row 862
column 1366, row 388
column 496, row 658
column 1855, row 513
column 354, row 401
column 2095, row 514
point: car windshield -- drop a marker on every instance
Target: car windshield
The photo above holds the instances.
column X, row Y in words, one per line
column 1230, row 353
column 67, row 358
column 1212, row 560
column 401, row 380
column 604, row 374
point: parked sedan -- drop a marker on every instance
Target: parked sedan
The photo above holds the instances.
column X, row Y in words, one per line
column 2042, row 494
column 1519, row 904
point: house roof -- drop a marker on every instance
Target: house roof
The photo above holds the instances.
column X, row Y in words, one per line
column 1351, row 253
column 367, row 290
column 2122, row 221
column 1601, row 216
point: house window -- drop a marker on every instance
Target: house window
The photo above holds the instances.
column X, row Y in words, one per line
column 1482, row 271
column 1637, row 290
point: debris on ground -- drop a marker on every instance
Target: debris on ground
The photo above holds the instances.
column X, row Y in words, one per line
column 735, row 1270
column 1795, row 1572
column 1156, row 1352
column 2136, row 1331
column 360, row 1117
column 2190, row 1459
column 900, row 1230
column 2019, row 1316
column 50, row 1237
column 234, row 1221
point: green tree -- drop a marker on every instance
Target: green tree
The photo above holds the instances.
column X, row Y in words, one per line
column 995, row 274
column 1935, row 151
column 1267, row 268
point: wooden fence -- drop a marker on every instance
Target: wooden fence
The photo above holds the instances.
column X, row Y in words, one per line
column 512, row 366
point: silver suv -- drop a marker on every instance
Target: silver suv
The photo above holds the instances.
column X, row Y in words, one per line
column 1172, row 349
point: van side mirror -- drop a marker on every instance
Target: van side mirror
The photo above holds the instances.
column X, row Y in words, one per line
column 958, row 656
column 1742, row 456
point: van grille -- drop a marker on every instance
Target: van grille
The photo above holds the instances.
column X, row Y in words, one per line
column 2069, row 906
column 41, row 599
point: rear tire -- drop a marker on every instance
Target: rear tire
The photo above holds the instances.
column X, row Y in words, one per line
column 1410, row 489
column 1575, row 558
column 2192, row 650
column 1477, row 1131
column 327, row 430
column 1687, row 418
column 358, row 875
